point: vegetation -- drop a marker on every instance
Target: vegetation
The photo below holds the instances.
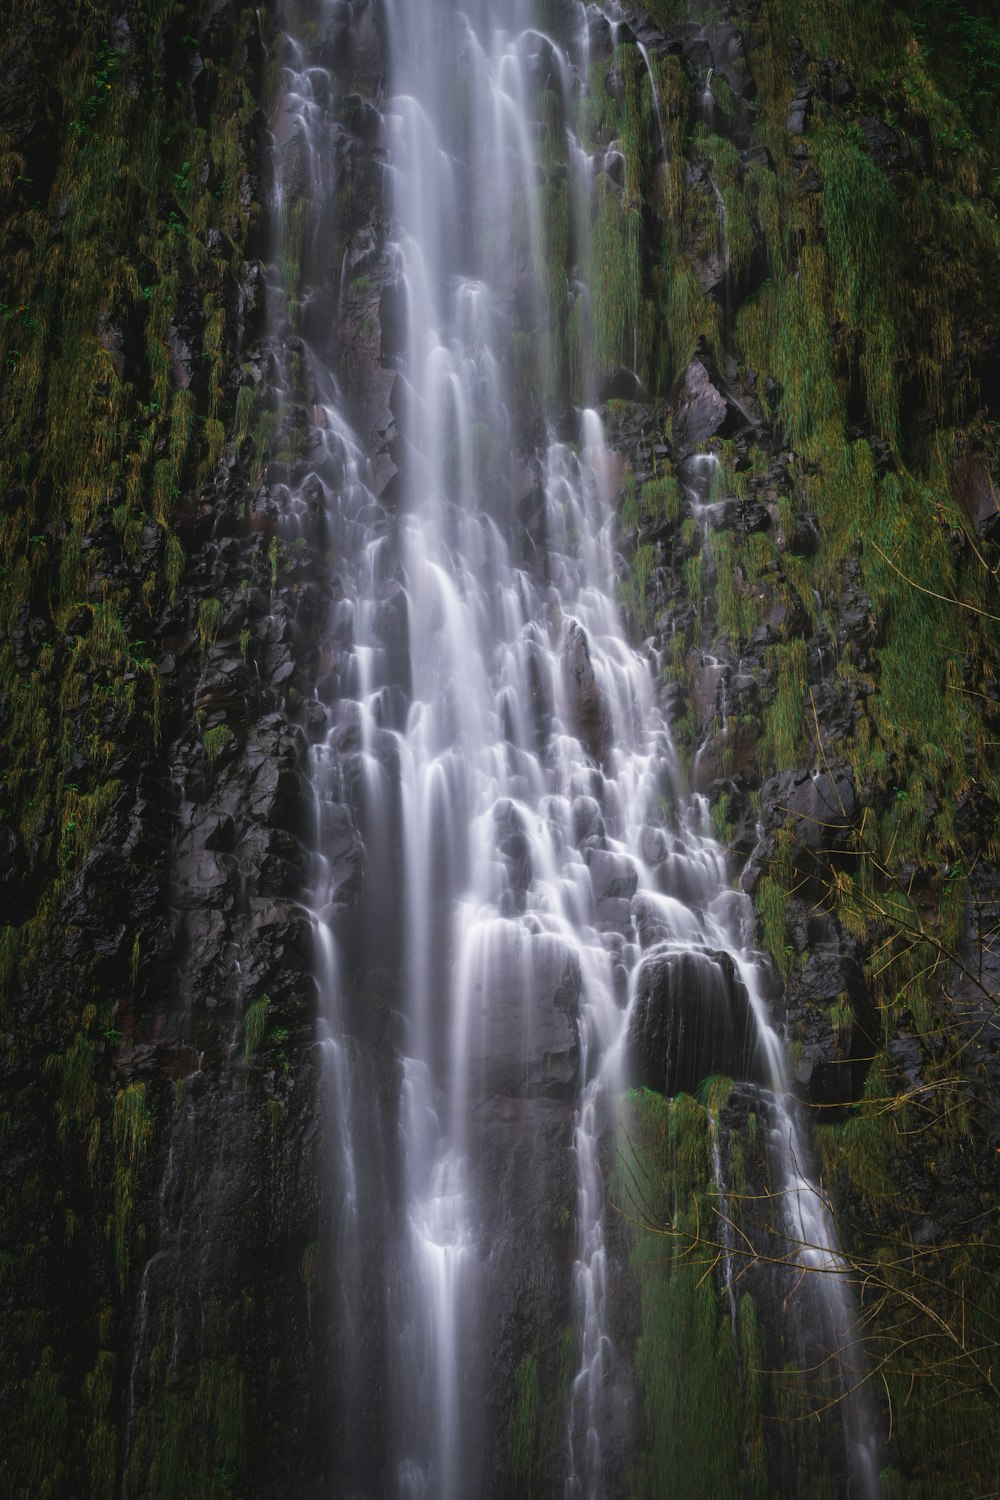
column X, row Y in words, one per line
column 128, row 207
column 119, row 337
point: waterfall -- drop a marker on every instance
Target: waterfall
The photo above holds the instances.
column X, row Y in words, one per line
column 507, row 861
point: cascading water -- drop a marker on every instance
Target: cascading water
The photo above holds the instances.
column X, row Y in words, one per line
column 530, row 856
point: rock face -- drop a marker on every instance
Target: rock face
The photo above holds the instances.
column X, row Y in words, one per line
column 523, row 1011
column 588, row 711
column 819, row 814
column 832, row 1027
column 160, row 993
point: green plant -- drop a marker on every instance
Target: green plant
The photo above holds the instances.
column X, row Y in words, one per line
column 210, row 612
column 255, row 1024
column 215, row 741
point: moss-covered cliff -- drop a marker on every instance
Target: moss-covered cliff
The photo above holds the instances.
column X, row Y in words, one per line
column 844, row 620
column 796, row 257
column 134, row 417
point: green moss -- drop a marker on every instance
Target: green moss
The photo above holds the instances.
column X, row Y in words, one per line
column 77, row 1099
column 782, row 743
column 255, row 1024
column 737, row 604
column 132, row 1130
column 689, row 314
column 102, row 1444
column 524, row 1427
column 597, row 112
column 214, row 742
column 42, row 1430
column 685, row 1355
column 860, row 213
column 615, row 283
column 200, row 1445
column 771, row 900
column 661, row 498
column 210, row 612
column 86, row 441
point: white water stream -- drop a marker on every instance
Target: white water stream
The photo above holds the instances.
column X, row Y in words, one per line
column 528, row 840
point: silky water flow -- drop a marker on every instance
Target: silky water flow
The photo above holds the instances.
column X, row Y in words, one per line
column 499, row 766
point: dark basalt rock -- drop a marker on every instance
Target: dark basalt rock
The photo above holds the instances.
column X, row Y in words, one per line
column 621, row 385
column 15, row 894
column 611, row 875
column 799, row 110
column 835, row 84
column 589, row 712
column 803, row 538
column 832, row 1029
column 702, row 408
column 819, row 810
column 691, row 1018
column 887, row 148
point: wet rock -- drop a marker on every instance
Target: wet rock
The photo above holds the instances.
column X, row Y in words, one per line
column 513, row 845
column 587, row 821
column 653, row 845
column 691, row 1018
column 613, row 914
column 278, row 947
column 808, row 927
column 799, row 110
column 611, row 874
column 586, row 702
column 345, row 854
column 723, row 515
column 757, row 157
column 729, row 752
column 14, row 891
column 522, row 1011
column 803, row 538
column 278, row 796
column 857, row 624
column 702, row 410
column 621, row 385
column 978, row 492
column 203, row 878
column 754, row 516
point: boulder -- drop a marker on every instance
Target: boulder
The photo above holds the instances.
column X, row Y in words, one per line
column 702, row 410
column 611, row 875
column 588, row 712
column 691, row 1018
column 799, row 110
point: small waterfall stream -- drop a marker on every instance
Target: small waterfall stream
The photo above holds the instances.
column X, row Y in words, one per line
column 498, row 779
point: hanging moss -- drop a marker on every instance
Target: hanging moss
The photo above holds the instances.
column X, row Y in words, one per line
column 524, row 1426
column 685, row 1356
column 782, row 740
column 615, row 282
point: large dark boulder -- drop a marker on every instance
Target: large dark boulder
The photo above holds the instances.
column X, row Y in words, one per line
column 691, row 1018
